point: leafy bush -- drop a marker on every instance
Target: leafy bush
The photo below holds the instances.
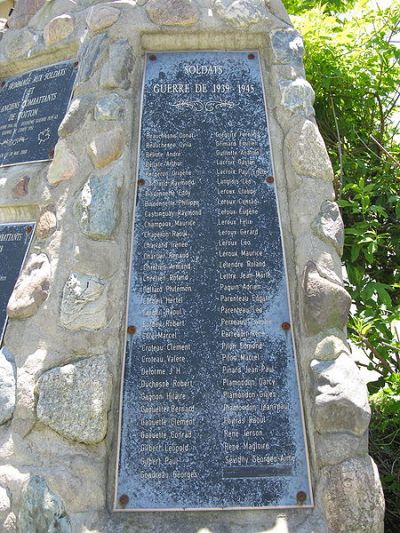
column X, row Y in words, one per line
column 353, row 62
column 385, row 446
column 354, row 68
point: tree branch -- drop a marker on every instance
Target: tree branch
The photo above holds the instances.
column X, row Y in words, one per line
column 339, row 148
column 383, row 149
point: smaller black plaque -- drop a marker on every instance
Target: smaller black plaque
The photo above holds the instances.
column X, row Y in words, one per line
column 14, row 243
column 32, row 106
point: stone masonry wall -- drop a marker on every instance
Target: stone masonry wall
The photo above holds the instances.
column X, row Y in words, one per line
column 60, row 362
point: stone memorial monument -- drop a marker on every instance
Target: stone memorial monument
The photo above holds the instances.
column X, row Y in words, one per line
column 175, row 356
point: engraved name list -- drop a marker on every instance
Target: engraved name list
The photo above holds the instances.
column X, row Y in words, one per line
column 211, row 414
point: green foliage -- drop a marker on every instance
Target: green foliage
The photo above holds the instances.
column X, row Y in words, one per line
column 385, row 445
column 353, row 64
column 299, row 6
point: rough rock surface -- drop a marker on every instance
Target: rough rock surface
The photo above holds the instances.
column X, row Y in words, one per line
column 99, row 207
column 7, row 385
column 326, row 304
column 329, row 225
column 19, row 44
column 42, row 511
column 21, row 189
column 109, row 107
column 352, row 496
column 331, row 347
column 4, row 503
column 90, row 56
column 58, row 29
column 46, row 225
column 115, row 73
column 106, row 147
column 278, row 9
column 23, row 11
column 74, row 399
column 333, row 448
column 241, row 13
column 64, row 165
column 341, row 397
column 32, row 287
column 297, row 96
column 75, row 115
column 84, row 303
column 10, row 524
column 172, row 12
column 287, row 47
column 101, row 17
column 306, row 150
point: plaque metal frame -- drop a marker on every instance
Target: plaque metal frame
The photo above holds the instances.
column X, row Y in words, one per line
column 300, row 505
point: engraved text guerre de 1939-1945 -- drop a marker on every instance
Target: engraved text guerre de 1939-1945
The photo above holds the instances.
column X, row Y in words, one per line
column 32, row 105
column 14, row 243
column 211, row 415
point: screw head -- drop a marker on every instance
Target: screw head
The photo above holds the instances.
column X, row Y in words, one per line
column 76, row 64
column 29, row 229
column 51, row 154
column 131, row 330
column 301, row 497
column 141, row 181
column 124, row 499
column 270, row 179
column 285, row 326
column 251, row 56
column 152, row 57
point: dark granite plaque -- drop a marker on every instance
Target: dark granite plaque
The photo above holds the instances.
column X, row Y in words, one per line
column 14, row 243
column 32, row 106
column 211, row 416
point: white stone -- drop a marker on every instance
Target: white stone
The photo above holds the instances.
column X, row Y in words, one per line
column 64, row 165
column 297, row 96
column 278, row 9
column 19, row 44
column 287, row 47
column 41, row 510
column 75, row 115
column 23, row 12
column 306, row 151
column 32, row 287
column 328, row 225
column 353, row 497
column 90, row 56
column 74, row 399
column 10, row 524
column 333, row 448
column 110, row 107
column 341, row 397
column 326, row 302
column 84, row 303
column 98, row 207
column 58, row 29
column 4, row 503
column 242, row 13
column 115, row 73
column 7, row 387
column 101, row 17
column 331, row 347
column 172, row 12
column 106, row 147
